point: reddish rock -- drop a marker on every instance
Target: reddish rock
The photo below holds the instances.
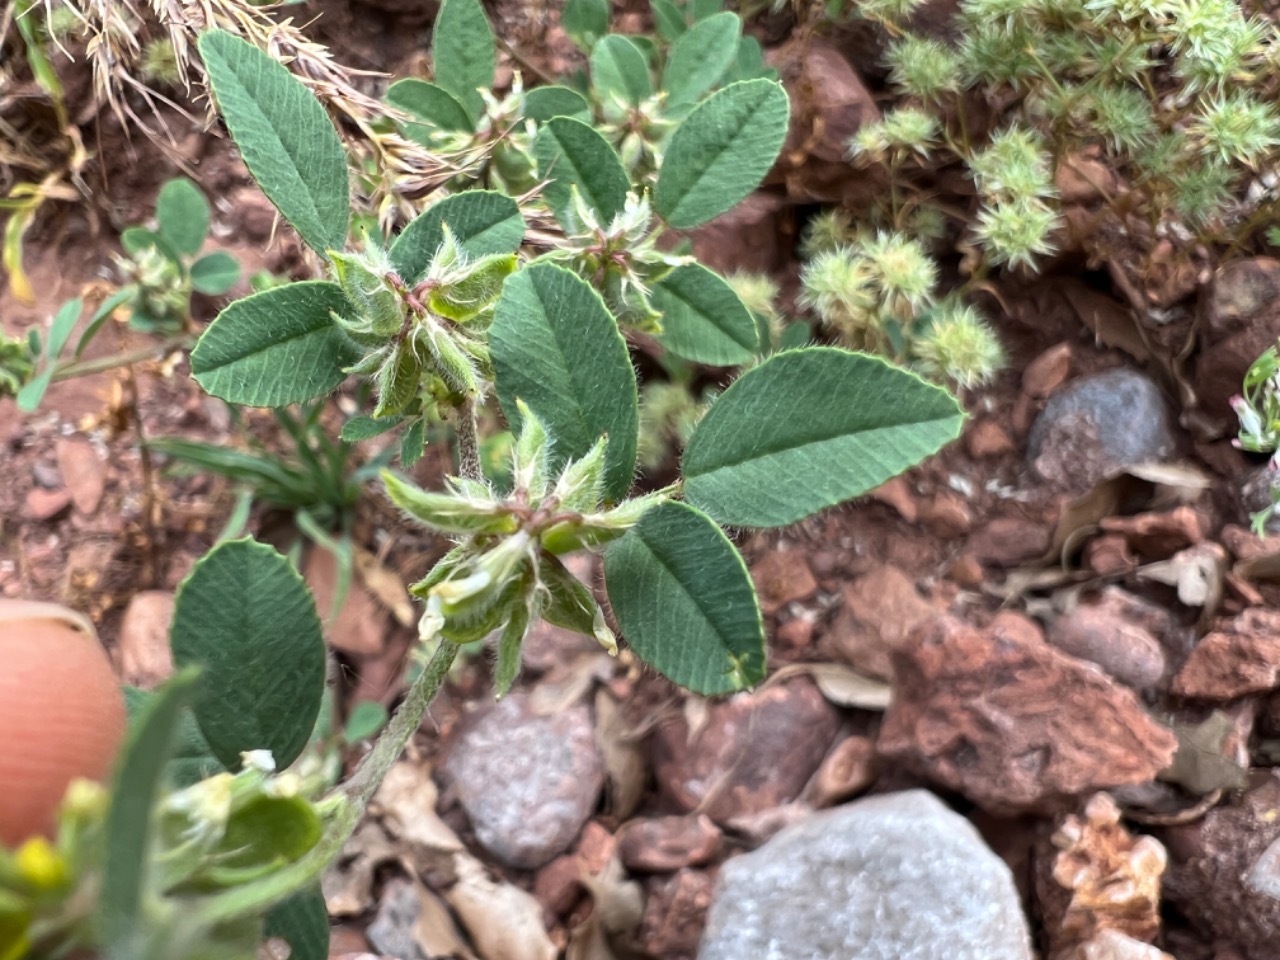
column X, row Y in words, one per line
column 966, row 571
column 1244, row 311
column 665, row 844
column 1224, row 871
column 747, row 239
column 1109, row 555
column 1047, row 372
column 558, row 887
column 143, row 646
column 42, row 505
column 1008, row 541
column 782, row 577
column 987, row 439
column 947, row 515
column 754, row 751
column 1007, row 720
column 1104, row 633
column 798, row 633
column 675, row 913
column 879, row 610
column 1238, row 659
column 1244, row 544
column 1160, row 534
column 83, row 472
column 848, row 769
column 897, row 494
column 1241, row 290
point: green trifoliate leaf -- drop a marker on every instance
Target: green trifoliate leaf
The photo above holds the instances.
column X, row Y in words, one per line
column 433, row 104
column 476, row 292
column 619, row 71
column 556, row 347
column 808, row 429
column 749, row 63
column 182, row 214
column 700, row 57
column 398, row 382
column 285, row 137
column 215, row 273
column 413, row 442
column 245, row 615
column 366, row 428
column 703, row 320
column 483, row 222
column 721, row 152
column 543, row 103
column 450, row 513
column 464, row 53
column 685, row 602
column 572, row 154
column 277, row 347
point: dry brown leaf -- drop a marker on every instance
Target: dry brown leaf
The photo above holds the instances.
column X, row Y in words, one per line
column 503, row 921
column 348, row 884
column 841, row 685
column 1143, row 486
column 608, row 933
column 623, row 756
column 386, row 587
column 569, row 684
column 1198, row 574
column 406, row 800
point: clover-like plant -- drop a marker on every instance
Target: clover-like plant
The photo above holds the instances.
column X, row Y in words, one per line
column 460, row 312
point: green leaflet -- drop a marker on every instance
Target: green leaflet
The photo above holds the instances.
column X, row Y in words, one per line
column 685, row 602
column 572, row 154
column 556, row 347
column 811, row 428
column 277, row 347
column 464, row 53
column 721, row 152
column 285, row 138
column 702, row 318
column 245, row 615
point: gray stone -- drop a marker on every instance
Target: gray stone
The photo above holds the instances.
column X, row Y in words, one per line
column 891, row 877
column 1097, row 425
column 527, row 782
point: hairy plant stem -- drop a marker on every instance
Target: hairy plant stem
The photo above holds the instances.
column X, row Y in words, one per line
column 468, row 442
column 348, row 802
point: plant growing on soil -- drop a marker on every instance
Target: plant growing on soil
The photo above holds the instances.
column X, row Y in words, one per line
column 1258, row 409
column 457, row 311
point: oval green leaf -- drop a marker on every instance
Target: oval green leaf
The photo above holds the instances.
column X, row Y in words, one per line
column 556, row 347
column 215, row 273
column 436, row 105
column 721, row 152
column 483, row 222
column 811, row 428
column 702, row 318
column 285, row 138
column 302, row 922
column 277, row 347
column 619, row 70
column 464, row 53
column 245, row 615
column 571, row 153
column 543, row 103
column 668, row 19
column 685, row 602
column 700, row 58
column 182, row 214
column 586, row 21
